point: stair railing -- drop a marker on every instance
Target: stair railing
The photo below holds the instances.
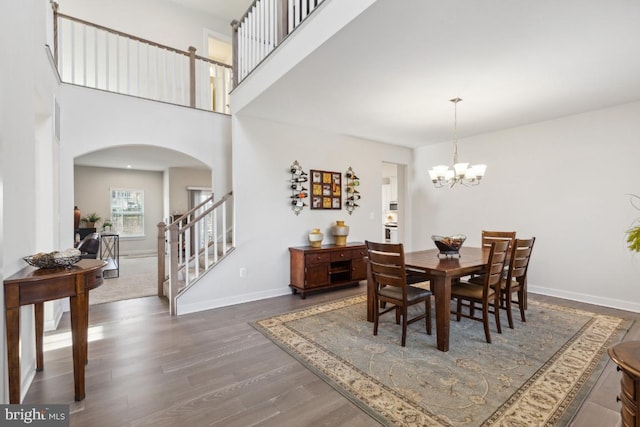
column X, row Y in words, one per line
column 262, row 28
column 193, row 244
column 91, row 55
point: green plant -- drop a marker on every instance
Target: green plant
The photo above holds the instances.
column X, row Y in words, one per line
column 107, row 223
column 633, row 234
column 92, row 217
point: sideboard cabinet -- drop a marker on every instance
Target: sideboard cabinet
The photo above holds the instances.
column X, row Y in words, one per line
column 326, row 267
column 627, row 356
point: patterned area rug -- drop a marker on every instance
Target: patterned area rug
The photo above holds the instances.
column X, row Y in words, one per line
column 536, row 374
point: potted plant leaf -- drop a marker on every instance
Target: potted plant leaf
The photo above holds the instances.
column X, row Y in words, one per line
column 91, row 219
column 633, row 234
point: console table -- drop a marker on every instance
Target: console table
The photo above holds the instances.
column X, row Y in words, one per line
column 35, row 286
column 627, row 356
column 326, row 267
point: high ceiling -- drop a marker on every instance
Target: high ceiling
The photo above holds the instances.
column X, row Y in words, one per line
column 388, row 76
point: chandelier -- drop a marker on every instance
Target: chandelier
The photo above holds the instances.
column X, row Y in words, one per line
column 462, row 173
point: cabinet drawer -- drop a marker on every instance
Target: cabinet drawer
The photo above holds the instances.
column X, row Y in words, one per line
column 628, row 386
column 316, row 258
column 358, row 253
column 342, row 255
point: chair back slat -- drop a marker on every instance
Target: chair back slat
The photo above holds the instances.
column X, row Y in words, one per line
column 520, row 256
column 495, row 266
column 387, row 264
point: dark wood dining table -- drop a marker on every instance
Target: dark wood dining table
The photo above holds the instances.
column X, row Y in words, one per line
column 441, row 272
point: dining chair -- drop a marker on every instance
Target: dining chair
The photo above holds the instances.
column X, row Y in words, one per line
column 516, row 280
column 389, row 277
column 467, row 294
column 489, row 237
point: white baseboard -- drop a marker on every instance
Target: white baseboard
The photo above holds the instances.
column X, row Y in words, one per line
column 225, row 302
column 589, row 299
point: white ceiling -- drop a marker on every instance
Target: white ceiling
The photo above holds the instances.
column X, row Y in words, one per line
column 138, row 157
column 388, row 76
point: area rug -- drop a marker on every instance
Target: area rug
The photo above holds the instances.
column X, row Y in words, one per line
column 536, row 374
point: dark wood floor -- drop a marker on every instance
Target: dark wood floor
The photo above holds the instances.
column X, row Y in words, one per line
column 214, row 369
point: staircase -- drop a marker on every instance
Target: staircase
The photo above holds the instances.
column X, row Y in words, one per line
column 192, row 245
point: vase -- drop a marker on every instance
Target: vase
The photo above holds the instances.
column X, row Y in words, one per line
column 340, row 232
column 315, row 238
column 76, row 218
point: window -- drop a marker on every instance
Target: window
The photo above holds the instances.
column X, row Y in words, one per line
column 127, row 211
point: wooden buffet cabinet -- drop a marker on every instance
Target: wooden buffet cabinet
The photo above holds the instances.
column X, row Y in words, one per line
column 627, row 356
column 326, row 267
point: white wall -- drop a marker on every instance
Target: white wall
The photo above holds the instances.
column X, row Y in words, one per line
column 564, row 181
column 93, row 120
column 266, row 226
column 179, row 180
column 162, row 22
column 28, row 89
column 92, row 189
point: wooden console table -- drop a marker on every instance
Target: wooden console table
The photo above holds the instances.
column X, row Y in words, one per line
column 326, row 267
column 35, row 286
column 627, row 356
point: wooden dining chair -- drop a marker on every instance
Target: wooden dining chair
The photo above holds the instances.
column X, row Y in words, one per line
column 389, row 277
column 516, row 280
column 467, row 294
column 488, row 237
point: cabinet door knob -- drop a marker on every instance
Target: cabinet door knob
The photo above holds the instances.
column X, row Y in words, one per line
column 618, row 368
column 617, row 398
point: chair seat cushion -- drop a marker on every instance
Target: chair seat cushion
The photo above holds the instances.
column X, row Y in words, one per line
column 413, row 293
column 469, row 290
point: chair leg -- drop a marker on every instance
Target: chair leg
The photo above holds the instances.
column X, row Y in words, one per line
column 485, row 320
column 458, row 309
column 397, row 315
column 376, row 315
column 509, row 312
column 521, row 303
column 404, row 325
column 428, row 314
column 496, row 313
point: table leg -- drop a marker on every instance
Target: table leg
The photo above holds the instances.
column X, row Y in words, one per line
column 12, row 323
column 38, row 309
column 441, row 288
column 79, row 338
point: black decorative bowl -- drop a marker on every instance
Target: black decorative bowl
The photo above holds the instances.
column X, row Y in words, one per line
column 449, row 246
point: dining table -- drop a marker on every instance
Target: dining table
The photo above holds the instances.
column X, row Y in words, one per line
column 441, row 271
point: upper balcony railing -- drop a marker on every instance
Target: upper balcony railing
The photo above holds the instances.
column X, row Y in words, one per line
column 91, row 55
column 262, row 28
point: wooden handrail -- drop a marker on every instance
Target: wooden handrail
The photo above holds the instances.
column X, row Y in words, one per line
column 139, row 39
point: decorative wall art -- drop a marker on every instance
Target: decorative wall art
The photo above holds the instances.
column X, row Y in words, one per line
column 298, row 191
column 353, row 195
column 326, row 190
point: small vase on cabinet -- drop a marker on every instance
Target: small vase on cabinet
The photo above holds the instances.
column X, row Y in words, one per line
column 315, row 238
column 340, row 232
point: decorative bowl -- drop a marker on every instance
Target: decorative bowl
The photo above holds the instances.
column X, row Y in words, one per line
column 49, row 261
column 450, row 245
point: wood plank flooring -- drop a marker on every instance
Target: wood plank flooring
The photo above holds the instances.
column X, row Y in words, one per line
column 214, row 369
